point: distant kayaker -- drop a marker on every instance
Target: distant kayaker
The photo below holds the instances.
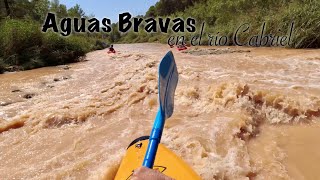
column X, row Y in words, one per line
column 182, row 47
column 111, row 49
column 144, row 173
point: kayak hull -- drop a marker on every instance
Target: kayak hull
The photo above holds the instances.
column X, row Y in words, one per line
column 181, row 49
column 166, row 162
column 111, row 52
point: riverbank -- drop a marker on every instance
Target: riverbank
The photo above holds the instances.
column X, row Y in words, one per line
column 250, row 110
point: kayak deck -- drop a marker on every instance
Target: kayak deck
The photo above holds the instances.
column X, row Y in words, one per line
column 166, row 162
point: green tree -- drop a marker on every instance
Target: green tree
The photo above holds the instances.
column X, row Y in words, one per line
column 151, row 12
column 54, row 6
column 20, row 8
column 115, row 35
column 76, row 11
column 40, row 9
column 62, row 11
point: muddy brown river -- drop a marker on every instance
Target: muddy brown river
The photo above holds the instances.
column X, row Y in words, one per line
column 240, row 113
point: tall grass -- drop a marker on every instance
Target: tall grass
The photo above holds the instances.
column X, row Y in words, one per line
column 226, row 16
column 307, row 23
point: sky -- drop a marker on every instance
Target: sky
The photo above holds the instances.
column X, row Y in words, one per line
column 111, row 8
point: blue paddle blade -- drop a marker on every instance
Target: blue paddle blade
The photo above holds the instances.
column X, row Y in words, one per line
column 168, row 80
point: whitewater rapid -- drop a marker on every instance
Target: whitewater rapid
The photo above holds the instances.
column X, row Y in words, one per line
column 240, row 113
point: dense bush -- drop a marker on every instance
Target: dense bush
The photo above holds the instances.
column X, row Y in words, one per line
column 24, row 46
column 100, row 45
column 59, row 50
column 18, row 41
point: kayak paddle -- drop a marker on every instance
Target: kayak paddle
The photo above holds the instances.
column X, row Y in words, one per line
column 168, row 80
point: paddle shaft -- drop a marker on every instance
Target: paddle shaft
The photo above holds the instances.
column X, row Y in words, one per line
column 168, row 80
column 154, row 140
